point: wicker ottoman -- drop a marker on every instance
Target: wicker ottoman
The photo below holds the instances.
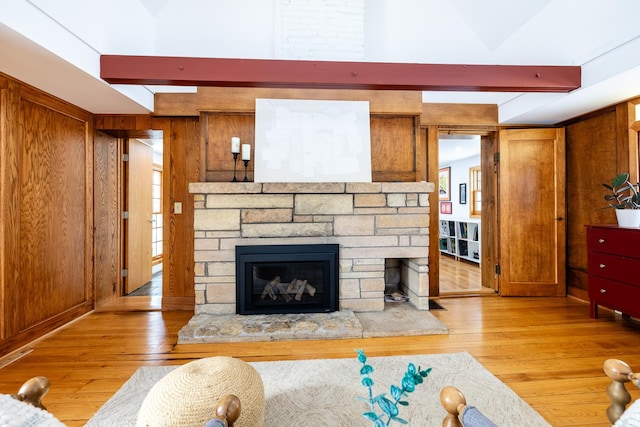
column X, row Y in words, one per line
column 187, row 396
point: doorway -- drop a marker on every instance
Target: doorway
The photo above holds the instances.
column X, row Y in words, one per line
column 143, row 223
column 460, row 213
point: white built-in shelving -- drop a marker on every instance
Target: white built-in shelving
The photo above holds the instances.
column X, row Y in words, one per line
column 461, row 239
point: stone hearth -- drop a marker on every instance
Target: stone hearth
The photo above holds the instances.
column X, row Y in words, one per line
column 397, row 319
column 375, row 225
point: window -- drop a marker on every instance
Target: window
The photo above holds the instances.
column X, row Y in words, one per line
column 475, row 180
column 156, row 218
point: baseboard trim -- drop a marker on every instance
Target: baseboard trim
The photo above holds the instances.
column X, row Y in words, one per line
column 178, row 303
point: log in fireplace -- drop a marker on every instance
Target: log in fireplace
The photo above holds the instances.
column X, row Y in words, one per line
column 287, row 278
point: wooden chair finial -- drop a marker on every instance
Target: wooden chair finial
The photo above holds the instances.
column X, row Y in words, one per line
column 227, row 411
column 620, row 373
column 454, row 402
column 32, row 391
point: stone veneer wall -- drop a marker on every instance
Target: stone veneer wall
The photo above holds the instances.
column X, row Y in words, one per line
column 372, row 223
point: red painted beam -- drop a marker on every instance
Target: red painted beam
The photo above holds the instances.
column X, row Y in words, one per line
column 182, row 71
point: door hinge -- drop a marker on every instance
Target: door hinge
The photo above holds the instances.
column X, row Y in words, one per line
column 496, row 157
column 125, row 157
column 125, row 272
column 125, row 215
column 497, row 269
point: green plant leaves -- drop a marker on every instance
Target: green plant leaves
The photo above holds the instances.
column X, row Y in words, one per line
column 371, row 416
column 412, row 377
column 620, row 179
column 388, row 407
column 624, row 194
column 366, row 369
column 396, row 392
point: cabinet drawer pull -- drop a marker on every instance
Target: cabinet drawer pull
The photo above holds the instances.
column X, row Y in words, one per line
column 603, row 291
column 602, row 266
column 600, row 240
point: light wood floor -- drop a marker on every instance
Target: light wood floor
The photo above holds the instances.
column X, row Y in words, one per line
column 547, row 350
column 459, row 277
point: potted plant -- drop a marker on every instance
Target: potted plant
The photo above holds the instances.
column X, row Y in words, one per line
column 624, row 197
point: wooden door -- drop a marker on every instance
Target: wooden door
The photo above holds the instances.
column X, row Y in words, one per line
column 139, row 179
column 489, row 222
column 531, row 212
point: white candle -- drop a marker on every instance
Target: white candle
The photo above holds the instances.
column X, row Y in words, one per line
column 246, row 152
column 235, row 144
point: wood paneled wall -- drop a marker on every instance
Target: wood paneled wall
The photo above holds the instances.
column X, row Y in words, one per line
column 182, row 165
column 599, row 146
column 46, row 219
column 107, row 218
column 218, row 160
column 396, row 153
column 228, row 112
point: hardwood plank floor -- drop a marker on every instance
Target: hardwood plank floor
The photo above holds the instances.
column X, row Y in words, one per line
column 460, row 277
column 547, row 350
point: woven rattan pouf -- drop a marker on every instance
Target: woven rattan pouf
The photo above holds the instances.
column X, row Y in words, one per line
column 186, row 396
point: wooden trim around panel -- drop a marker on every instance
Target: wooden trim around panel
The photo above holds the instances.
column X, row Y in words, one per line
column 243, row 100
column 466, row 114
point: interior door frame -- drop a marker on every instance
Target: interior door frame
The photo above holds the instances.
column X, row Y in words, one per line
column 488, row 220
column 108, row 169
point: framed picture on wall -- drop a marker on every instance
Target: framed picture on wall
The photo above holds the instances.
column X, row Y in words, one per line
column 463, row 194
column 444, row 184
column 446, row 207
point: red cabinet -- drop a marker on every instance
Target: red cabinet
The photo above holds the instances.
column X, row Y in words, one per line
column 613, row 263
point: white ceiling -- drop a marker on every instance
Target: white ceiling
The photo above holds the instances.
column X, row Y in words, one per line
column 56, row 46
column 453, row 148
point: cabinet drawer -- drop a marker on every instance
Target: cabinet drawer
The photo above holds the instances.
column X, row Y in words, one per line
column 615, row 295
column 613, row 240
column 614, row 267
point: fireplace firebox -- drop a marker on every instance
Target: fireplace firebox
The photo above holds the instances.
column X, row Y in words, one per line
column 287, row 278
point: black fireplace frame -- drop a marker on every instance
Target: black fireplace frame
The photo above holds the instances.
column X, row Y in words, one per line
column 327, row 254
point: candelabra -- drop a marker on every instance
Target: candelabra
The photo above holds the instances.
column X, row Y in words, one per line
column 235, row 161
column 246, row 163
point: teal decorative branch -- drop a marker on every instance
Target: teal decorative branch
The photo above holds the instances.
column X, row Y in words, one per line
column 389, row 407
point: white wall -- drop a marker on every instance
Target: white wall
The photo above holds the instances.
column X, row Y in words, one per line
column 320, row 30
column 460, row 175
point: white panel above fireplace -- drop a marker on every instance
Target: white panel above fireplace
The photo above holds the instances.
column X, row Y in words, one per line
column 312, row 141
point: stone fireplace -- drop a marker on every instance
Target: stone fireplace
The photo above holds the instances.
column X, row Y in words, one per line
column 373, row 224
